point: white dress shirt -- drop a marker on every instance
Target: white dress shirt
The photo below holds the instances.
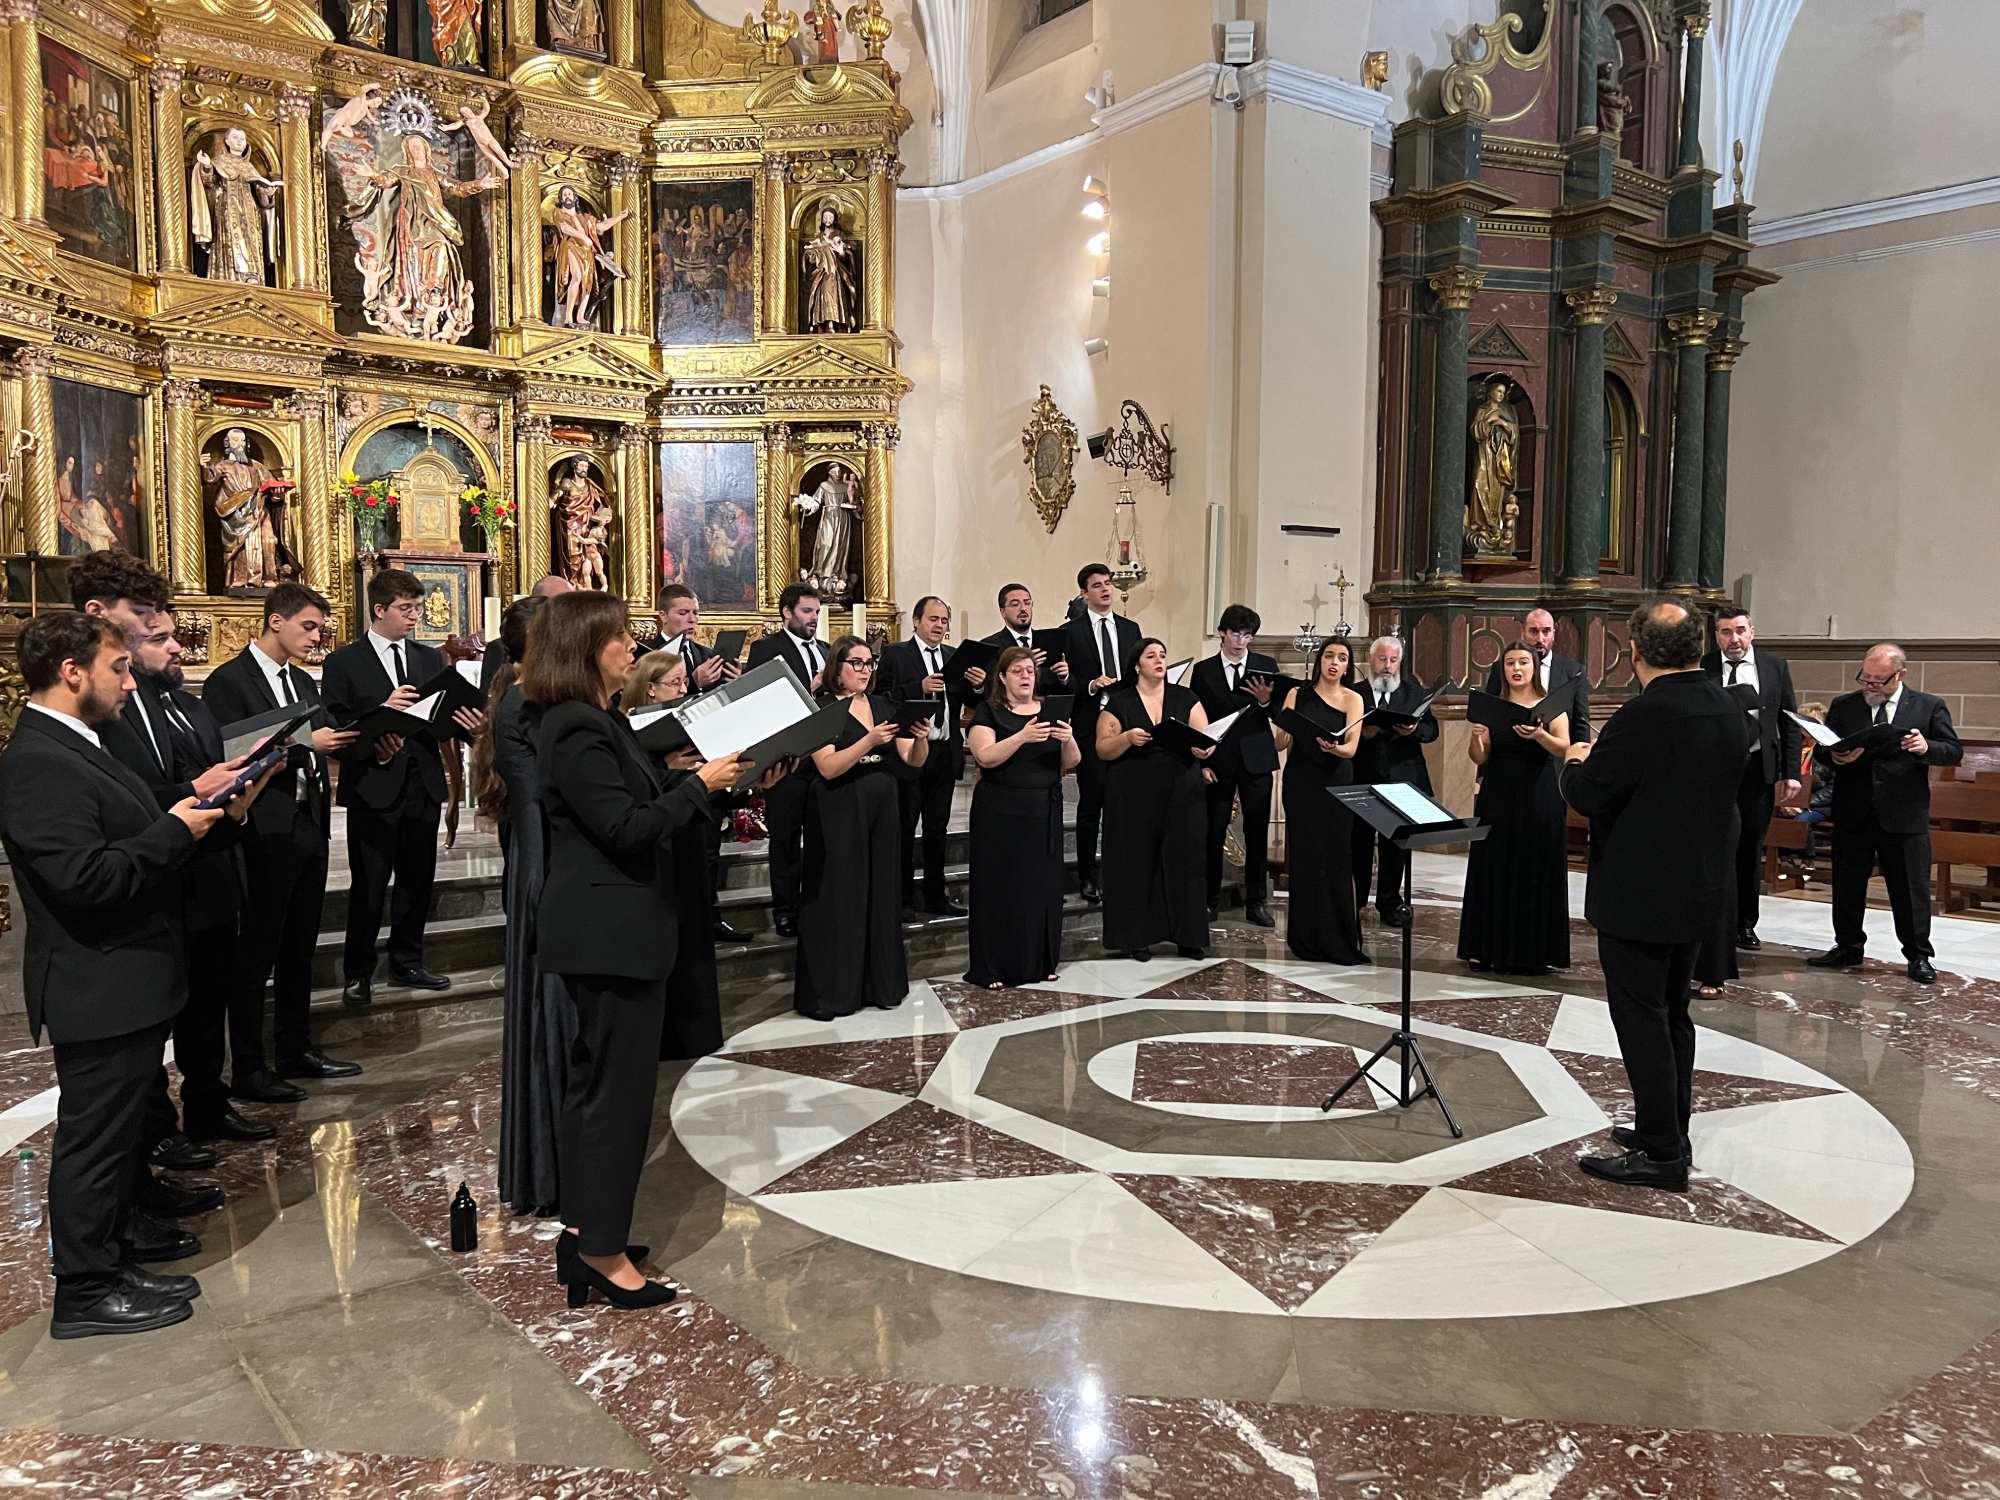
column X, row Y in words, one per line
column 69, row 721
column 1895, row 702
column 1744, row 671
column 385, row 652
column 933, row 667
column 808, row 647
column 1103, row 627
column 1233, row 671
column 279, row 680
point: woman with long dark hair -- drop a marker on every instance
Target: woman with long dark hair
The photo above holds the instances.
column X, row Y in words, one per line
column 608, row 926
column 1155, row 815
column 1321, row 922
column 1016, row 929
column 1515, row 919
column 850, row 913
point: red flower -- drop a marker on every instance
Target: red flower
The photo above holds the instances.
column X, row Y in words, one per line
column 371, row 500
column 357, row 489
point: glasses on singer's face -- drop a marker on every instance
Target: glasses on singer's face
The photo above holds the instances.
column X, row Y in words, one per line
column 860, row 663
column 1878, row 682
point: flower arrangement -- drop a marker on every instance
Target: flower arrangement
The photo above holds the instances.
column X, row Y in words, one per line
column 490, row 512
column 370, row 502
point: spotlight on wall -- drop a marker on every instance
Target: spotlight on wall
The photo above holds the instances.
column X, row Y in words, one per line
column 1101, row 287
column 1099, row 243
column 1094, row 347
column 1239, row 42
column 1097, row 208
column 1094, row 187
column 1097, row 442
column 1101, row 95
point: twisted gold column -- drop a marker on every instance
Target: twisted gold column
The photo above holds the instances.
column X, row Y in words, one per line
column 777, row 244
column 35, row 364
column 171, row 184
column 296, row 158
column 635, row 515
column 629, row 295
column 878, row 311
column 531, row 507
column 26, row 50
column 527, row 181
column 622, row 19
column 313, row 513
column 878, row 516
column 184, row 550
column 781, row 538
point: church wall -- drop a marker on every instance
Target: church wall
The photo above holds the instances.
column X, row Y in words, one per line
column 1861, row 482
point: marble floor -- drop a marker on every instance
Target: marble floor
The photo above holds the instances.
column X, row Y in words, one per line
column 1096, row 1238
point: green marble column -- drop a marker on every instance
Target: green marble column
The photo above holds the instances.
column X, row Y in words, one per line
column 1587, row 22
column 1697, row 28
column 1690, row 332
column 1454, row 289
column 1715, row 461
column 1583, row 475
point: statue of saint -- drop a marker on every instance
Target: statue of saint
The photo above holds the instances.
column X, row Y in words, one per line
column 577, row 249
column 1492, row 511
column 455, row 26
column 368, row 22
column 413, row 282
column 253, row 553
column 577, row 24
column 575, row 501
column 1612, row 102
column 230, row 212
column 824, row 23
column 836, row 506
column 832, row 289
column 587, row 545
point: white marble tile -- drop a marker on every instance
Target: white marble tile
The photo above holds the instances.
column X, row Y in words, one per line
column 1121, row 976
column 948, row 1224
column 920, row 1014
column 1446, row 1259
column 1100, row 1241
column 1847, row 1197
column 749, row 1125
column 1114, row 1069
column 22, row 1120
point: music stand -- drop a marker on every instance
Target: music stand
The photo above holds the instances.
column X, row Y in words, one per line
column 1424, row 825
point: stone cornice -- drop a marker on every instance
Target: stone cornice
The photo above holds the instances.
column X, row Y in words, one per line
column 1286, row 83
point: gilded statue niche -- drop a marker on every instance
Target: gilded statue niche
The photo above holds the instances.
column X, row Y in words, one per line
column 579, row 269
column 582, row 513
column 827, row 495
column 826, row 227
column 233, row 206
column 250, row 543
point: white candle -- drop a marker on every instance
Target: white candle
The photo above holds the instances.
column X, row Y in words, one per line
column 861, row 621
column 820, row 627
column 489, row 618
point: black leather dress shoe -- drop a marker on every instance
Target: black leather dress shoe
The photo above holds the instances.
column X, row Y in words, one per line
column 418, row 978
column 358, row 994
column 1747, row 939
column 945, row 909
column 1214, row 911
column 1637, row 1169
column 1922, row 972
column 786, row 923
column 265, row 1087
column 150, row 1240
column 119, row 1309
column 1396, row 916
column 166, row 1200
column 1089, row 890
column 178, row 1154
column 155, row 1284
column 1258, row 914
column 227, row 1126
column 1836, row 958
column 725, row 933
column 1627, row 1137
column 313, row 1063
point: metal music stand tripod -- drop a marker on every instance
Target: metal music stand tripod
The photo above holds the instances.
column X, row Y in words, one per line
column 1404, row 829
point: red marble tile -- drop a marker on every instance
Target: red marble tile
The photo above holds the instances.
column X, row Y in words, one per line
column 1516, row 1018
column 1232, row 979
column 972, row 1007
column 894, row 1065
column 1610, row 1089
column 1298, row 1075
column 921, row 1143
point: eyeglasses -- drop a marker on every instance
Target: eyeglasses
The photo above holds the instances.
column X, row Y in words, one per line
column 860, row 664
column 1877, row 682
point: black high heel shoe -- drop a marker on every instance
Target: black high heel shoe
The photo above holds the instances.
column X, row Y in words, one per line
column 566, row 1244
column 581, row 1282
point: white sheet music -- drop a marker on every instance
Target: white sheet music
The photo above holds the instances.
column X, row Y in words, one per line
column 1220, row 727
column 425, row 708
column 728, row 727
column 1411, row 803
column 1821, row 735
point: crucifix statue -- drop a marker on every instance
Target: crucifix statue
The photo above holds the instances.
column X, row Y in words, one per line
column 1341, row 585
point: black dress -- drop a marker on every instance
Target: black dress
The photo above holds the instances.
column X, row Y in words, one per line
column 1715, row 960
column 851, row 908
column 538, row 1015
column 1154, row 866
column 1516, row 912
column 1017, row 869
column 1321, row 923
column 693, row 1025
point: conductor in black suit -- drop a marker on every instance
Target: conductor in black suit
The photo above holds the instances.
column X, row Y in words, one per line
column 1234, row 680
column 1564, row 685
column 1099, row 643
column 1768, row 777
column 1659, row 788
column 392, row 787
column 98, row 863
column 915, row 670
column 797, row 644
column 1017, row 628
column 284, row 857
column 679, row 615
column 1388, row 753
column 1882, row 809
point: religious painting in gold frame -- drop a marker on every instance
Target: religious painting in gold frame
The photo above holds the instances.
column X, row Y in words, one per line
column 1048, row 448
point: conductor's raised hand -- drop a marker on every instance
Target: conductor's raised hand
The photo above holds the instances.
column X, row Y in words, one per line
column 720, row 774
column 198, row 819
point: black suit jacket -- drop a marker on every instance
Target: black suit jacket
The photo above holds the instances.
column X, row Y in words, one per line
column 354, row 681
column 237, row 690
column 490, row 662
column 1386, row 755
column 901, row 679
column 1779, row 737
column 1569, row 692
column 98, row 866
column 608, row 898
column 1249, row 751
column 1893, row 787
column 1047, row 683
column 1659, row 789
column 783, row 644
column 1084, row 656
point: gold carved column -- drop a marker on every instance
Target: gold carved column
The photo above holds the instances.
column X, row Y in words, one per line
column 781, row 537
column 527, row 183
column 170, row 180
column 313, row 513
column 295, row 151
column 777, row 244
column 184, row 549
column 521, row 22
column 878, row 308
column 531, row 467
column 635, row 515
column 629, row 296
column 622, row 19
column 878, row 514
column 25, row 72
column 35, row 364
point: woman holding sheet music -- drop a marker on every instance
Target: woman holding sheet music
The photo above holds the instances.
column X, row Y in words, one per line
column 1516, row 914
column 850, row 911
column 1154, row 868
column 1017, row 872
column 1321, row 921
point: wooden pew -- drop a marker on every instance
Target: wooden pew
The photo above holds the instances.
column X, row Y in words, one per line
column 1965, row 830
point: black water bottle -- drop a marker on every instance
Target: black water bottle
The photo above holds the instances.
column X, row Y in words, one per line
column 464, row 1221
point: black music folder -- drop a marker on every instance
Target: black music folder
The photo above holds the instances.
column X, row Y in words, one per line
column 1501, row 713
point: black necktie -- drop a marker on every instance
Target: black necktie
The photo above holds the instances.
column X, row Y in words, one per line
column 1732, row 674
column 1022, row 640
column 285, row 684
column 1235, row 676
column 180, row 732
column 1881, row 713
column 1110, row 652
column 402, row 671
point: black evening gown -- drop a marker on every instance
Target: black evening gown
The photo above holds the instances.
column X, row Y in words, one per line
column 1715, row 960
column 693, row 1025
column 1321, row 923
column 1017, row 869
column 538, row 1015
column 851, row 908
column 1516, row 912
column 1154, row 866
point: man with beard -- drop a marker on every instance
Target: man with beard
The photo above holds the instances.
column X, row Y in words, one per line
column 1564, row 686
column 1017, row 628
column 1882, row 809
column 1389, row 752
column 1770, row 775
column 785, row 803
column 97, row 861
